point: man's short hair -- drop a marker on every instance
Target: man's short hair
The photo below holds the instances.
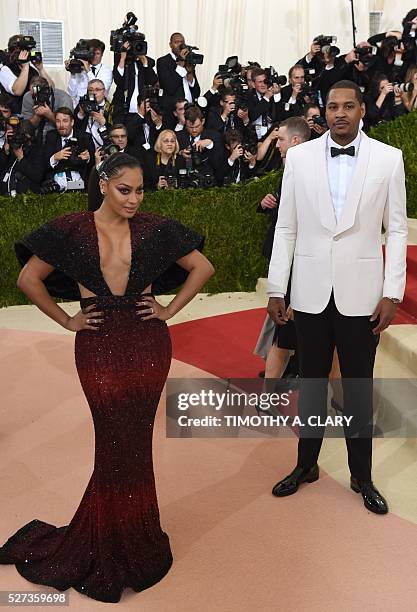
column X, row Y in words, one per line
column 345, row 84
column 297, row 126
column 179, row 101
column 6, row 100
column 117, row 126
column 227, row 91
column 96, row 81
column 64, row 110
column 257, row 72
column 232, row 135
column 38, row 80
column 175, row 34
column 193, row 113
column 95, row 43
column 295, row 67
column 309, row 106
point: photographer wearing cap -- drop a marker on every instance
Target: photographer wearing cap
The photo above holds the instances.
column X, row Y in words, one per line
column 93, row 111
column 93, row 69
column 69, row 152
column 40, row 104
column 22, row 164
column 176, row 77
column 16, row 74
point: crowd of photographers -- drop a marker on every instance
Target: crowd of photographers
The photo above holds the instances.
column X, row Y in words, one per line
column 53, row 140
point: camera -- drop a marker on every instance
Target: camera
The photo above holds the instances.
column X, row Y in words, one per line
column 108, row 147
column 331, row 50
column 154, row 95
column 250, row 143
column 272, row 77
column 405, row 87
column 325, row 41
column 241, row 91
column 81, row 51
column 35, row 57
column 366, row 55
column 76, row 148
column 195, row 179
column 192, row 58
column 41, row 94
column 89, row 104
column 49, row 186
column 319, row 120
column 128, row 33
column 230, row 68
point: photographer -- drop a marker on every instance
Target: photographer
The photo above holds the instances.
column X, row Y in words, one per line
column 226, row 117
column 6, row 104
column 196, row 139
column 145, row 126
column 239, row 164
column 268, row 155
column 161, row 164
column 176, row 120
column 17, row 73
column 409, row 38
column 91, row 70
column 259, row 101
column 21, row 162
column 92, row 112
column 69, row 153
column 132, row 72
column 40, row 104
column 409, row 89
column 294, row 96
column 316, row 122
column 384, row 102
column 176, row 76
column 359, row 66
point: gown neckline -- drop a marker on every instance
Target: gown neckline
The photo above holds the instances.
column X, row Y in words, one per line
column 97, row 250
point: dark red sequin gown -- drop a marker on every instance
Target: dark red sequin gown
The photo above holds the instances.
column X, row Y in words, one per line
column 115, row 538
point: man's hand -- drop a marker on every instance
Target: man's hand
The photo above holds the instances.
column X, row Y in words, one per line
column 244, row 115
column 86, row 65
column 85, row 156
column 23, row 56
column 386, row 310
column 63, row 154
column 276, row 89
column 250, row 158
column 186, row 153
column 387, row 88
column 183, row 54
column 44, row 111
column 269, row 93
column 156, row 119
column 99, row 118
column 202, row 144
column 296, row 90
column 143, row 59
column 236, row 153
column 98, row 156
column 162, row 183
column 277, row 311
column 351, row 57
column 269, row 201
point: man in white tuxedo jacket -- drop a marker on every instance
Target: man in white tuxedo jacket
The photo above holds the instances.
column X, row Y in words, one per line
column 338, row 192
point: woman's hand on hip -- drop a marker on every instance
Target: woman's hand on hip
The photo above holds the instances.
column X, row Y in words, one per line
column 151, row 309
column 86, row 319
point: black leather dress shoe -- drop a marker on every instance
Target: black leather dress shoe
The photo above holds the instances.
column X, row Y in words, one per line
column 372, row 498
column 290, row 484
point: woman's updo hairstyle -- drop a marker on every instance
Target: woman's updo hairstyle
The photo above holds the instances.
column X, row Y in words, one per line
column 114, row 163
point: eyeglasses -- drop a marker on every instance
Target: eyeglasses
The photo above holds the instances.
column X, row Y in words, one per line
column 95, row 90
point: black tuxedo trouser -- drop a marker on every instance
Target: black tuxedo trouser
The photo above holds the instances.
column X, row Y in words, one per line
column 317, row 336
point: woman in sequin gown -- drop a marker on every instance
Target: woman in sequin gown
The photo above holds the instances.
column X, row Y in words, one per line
column 114, row 259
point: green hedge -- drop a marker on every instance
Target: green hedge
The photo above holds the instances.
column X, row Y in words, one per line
column 234, row 230
column 402, row 133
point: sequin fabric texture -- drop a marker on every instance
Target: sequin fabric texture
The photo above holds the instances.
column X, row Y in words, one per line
column 115, row 539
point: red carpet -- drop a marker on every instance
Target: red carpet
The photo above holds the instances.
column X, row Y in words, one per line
column 409, row 305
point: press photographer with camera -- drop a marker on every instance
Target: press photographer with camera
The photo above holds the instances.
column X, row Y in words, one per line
column 295, row 95
column 23, row 63
column 176, row 75
column 144, row 127
column 409, row 38
column 259, row 101
column 92, row 112
column 40, row 103
column 383, row 102
column 359, row 65
column 22, row 166
column 6, row 104
column 176, row 120
column 316, row 122
column 409, row 88
column 69, row 153
column 202, row 149
column 240, row 159
column 226, row 116
column 85, row 64
column 133, row 69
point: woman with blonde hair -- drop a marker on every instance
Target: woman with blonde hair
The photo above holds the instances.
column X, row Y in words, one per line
column 409, row 97
column 161, row 165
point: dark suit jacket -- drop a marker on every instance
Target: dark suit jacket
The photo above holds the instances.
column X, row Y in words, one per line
column 53, row 143
column 172, row 83
column 26, row 175
column 215, row 121
column 258, row 107
column 213, row 158
column 146, row 76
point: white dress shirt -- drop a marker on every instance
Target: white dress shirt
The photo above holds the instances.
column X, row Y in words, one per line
column 185, row 82
column 340, row 170
column 61, row 177
column 78, row 83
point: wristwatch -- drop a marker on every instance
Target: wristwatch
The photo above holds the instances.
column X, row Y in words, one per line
column 393, row 300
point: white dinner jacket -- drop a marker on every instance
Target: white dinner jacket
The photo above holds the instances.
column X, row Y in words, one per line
column 344, row 256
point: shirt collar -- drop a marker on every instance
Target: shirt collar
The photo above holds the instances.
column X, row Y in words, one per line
column 355, row 143
column 174, row 57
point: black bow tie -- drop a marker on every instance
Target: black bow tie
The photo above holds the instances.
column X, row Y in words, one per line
column 335, row 151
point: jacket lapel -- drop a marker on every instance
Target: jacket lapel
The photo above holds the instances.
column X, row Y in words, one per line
column 326, row 210
column 354, row 191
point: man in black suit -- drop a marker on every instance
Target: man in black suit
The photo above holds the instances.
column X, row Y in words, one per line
column 131, row 75
column 66, row 166
column 207, row 143
column 176, row 77
column 225, row 117
column 260, row 102
column 21, row 162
